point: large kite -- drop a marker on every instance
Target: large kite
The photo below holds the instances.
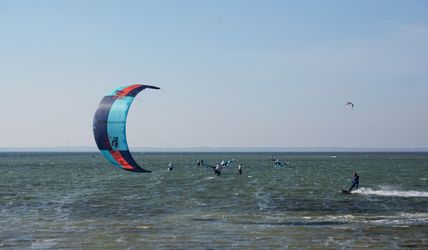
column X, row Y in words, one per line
column 110, row 126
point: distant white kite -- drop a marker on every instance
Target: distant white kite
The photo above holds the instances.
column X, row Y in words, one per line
column 349, row 105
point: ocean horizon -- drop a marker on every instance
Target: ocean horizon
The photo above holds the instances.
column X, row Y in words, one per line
column 206, row 149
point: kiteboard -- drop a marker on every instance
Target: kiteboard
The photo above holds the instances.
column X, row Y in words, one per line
column 345, row 192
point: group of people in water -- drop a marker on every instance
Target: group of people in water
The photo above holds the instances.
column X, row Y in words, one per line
column 219, row 167
column 225, row 163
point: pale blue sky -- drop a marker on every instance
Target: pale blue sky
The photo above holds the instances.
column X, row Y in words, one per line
column 232, row 73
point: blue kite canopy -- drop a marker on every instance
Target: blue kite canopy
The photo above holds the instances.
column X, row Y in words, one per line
column 110, row 126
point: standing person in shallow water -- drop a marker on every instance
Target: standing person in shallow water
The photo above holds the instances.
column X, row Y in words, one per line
column 240, row 168
column 217, row 169
column 355, row 181
column 200, row 163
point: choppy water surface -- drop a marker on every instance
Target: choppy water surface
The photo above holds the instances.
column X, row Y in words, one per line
column 57, row 200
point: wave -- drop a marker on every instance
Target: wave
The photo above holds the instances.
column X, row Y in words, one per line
column 396, row 219
column 42, row 244
column 388, row 191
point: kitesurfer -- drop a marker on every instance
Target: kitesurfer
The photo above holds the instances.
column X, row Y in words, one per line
column 355, row 181
column 200, row 163
column 240, row 168
column 170, row 166
column 217, row 169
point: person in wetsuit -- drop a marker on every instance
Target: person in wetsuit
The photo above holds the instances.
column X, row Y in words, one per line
column 240, row 168
column 355, row 181
column 217, row 169
column 200, row 163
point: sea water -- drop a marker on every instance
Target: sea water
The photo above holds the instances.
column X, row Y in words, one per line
column 78, row 200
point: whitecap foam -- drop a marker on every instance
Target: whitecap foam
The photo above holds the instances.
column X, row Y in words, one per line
column 386, row 191
column 395, row 219
column 402, row 219
column 43, row 244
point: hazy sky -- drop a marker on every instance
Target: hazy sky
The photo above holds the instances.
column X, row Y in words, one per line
column 232, row 73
